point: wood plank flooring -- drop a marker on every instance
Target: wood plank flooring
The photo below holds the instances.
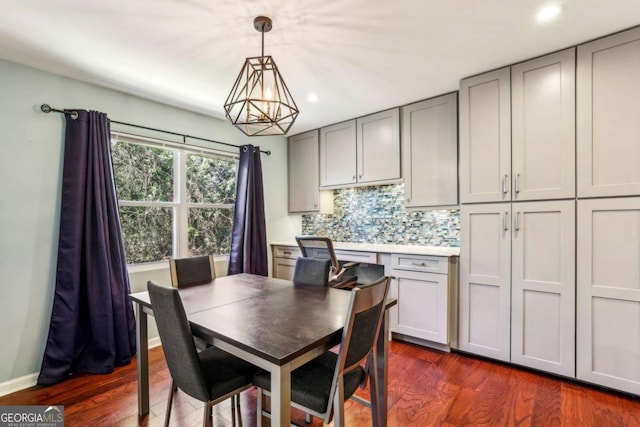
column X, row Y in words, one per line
column 426, row 388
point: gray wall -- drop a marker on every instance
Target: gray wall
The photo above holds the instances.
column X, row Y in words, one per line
column 31, row 148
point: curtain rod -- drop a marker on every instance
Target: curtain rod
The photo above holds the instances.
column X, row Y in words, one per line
column 46, row 108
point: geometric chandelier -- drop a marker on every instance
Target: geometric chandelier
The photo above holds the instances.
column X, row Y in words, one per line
column 260, row 102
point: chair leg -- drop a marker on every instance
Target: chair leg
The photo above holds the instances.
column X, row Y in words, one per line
column 338, row 405
column 208, row 418
column 235, row 411
column 373, row 387
column 308, row 418
column 172, row 390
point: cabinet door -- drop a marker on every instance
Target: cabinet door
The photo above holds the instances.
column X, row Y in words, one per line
column 283, row 268
column 485, row 269
column 338, row 154
column 378, row 146
column 543, row 124
column 430, row 152
column 422, row 305
column 485, row 137
column 303, row 172
column 608, row 112
column 608, row 294
column 543, row 286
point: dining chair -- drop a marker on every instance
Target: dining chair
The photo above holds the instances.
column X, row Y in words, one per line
column 321, row 247
column 192, row 271
column 321, row 386
column 311, row 271
column 211, row 375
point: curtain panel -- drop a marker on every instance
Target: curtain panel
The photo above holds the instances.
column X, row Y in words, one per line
column 249, row 236
column 92, row 326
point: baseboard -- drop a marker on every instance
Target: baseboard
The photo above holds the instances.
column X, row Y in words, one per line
column 30, row 380
column 154, row 342
column 18, row 384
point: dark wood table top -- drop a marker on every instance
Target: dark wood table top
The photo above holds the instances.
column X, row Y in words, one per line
column 273, row 319
column 278, row 326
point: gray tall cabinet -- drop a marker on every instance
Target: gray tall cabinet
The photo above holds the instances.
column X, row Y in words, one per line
column 517, row 243
column 608, row 144
column 550, row 213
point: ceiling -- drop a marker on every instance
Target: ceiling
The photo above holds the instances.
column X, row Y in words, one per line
column 358, row 56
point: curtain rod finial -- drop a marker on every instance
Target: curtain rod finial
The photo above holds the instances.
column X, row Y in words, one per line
column 46, row 108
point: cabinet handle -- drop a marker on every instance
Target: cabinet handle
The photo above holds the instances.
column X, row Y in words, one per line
column 516, row 226
column 505, row 221
column 504, row 183
column 287, row 252
column 360, row 176
column 419, row 264
column 353, row 177
column 517, row 185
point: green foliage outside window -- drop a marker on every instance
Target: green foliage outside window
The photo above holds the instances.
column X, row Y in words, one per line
column 146, row 176
column 142, row 172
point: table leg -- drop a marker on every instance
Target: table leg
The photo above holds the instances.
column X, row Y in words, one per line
column 281, row 396
column 379, row 393
column 142, row 359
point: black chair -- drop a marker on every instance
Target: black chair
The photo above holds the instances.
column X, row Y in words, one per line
column 211, row 375
column 321, row 247
column 192, row 271
column 321, row 386
column 312, row 271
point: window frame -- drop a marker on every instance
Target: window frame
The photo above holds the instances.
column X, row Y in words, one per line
column 179, row 207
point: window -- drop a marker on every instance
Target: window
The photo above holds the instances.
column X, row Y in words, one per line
column 174, row 201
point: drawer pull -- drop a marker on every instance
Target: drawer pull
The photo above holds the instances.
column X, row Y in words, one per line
column 287, row 252
column 419, row 264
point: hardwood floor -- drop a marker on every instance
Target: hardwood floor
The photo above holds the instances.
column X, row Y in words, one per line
column 426, row 388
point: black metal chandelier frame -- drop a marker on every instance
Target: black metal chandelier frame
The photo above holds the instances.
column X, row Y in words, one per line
column 260, row 102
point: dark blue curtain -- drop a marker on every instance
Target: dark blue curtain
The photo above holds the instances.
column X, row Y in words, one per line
column 92, row 327
column 249, row 237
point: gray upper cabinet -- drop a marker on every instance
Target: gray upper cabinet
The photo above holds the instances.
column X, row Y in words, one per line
column 608, row 121
column 338, row 154
column 378, row 146
column 485, row 137
column 361, row 151
column 430, row 152
column 543, row 127
column 303, row 172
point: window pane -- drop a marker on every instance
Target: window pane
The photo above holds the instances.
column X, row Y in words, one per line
column 210, row 180
column 147, row 233
column 210, row 231
column 142, row 173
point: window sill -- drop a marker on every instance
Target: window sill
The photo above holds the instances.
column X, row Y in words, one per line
column 163, row 265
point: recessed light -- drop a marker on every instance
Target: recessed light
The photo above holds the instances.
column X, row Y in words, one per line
column 548, row 12
column 312, row 97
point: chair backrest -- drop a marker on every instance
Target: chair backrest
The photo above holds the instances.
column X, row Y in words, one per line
column 192, row 271
column 320, row 247
column 363, row 324
column 312, row 271
column 177, row 341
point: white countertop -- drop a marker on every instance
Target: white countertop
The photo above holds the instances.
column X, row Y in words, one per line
column 391, row 249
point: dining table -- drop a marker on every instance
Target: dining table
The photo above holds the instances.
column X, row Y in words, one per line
column 272, row 323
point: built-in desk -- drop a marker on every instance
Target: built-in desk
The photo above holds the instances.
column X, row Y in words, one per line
column 424, row 280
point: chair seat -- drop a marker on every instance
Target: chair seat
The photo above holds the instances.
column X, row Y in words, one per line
column 224, row 372
column 311, row 383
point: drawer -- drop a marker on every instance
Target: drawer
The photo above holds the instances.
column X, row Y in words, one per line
column 354, row 256
column 286, row 252
column 420, row 263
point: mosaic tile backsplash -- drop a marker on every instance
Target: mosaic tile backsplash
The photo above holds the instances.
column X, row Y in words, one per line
column 377, row 215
